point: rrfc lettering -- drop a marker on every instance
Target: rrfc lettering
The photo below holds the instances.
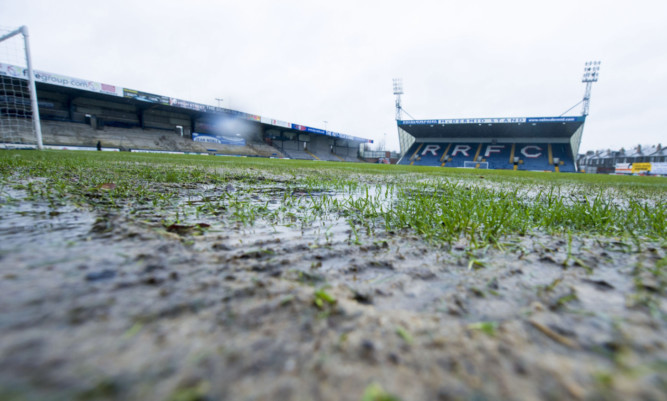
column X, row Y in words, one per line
column 493, row 149
column 526, row 151
column 432, row 149
column 463, row 149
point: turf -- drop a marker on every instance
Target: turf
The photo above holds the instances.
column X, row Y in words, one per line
column 201, row 277
column 441, row 205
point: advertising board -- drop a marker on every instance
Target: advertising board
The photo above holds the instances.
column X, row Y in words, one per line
column 640, row 167
column 184, row 104
column 658, row 168
column 61, row 80
column 218, row 138
column 623, row 168
column 277, row 123
column 145, row 96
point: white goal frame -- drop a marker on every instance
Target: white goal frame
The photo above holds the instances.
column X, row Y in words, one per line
column 37, row 127
column 482, row 165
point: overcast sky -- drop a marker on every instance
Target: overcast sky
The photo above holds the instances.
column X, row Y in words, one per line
column 309, row 61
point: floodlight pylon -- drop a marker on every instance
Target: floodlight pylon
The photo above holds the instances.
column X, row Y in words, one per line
column 591, row 73
column 398, row 91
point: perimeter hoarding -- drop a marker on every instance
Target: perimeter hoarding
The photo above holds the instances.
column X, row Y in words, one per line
column 643, row 168
column 640, row 167
column 61, row 80
column 659, row 168
column 218, row 138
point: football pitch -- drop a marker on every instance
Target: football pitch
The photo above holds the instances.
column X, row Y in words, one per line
column 137, row 276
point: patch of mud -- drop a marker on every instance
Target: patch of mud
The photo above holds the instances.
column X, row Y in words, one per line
column 139, row 307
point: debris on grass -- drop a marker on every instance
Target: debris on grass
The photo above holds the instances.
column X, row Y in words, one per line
column 488, row 328
column 405, row 335
column 323, row 298
column 375, row 392
column 553, row 335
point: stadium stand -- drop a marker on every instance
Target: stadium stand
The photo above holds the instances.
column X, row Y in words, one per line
column 79, row 113
column 528, row 156
column 81, row 135
column 532, row 144
column 518, row 143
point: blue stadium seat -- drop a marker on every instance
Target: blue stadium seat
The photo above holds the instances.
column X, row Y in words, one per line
column 497, row 155
column 460, row 153
column 424, row 154
column 430, row 154
column 534, row 156
column 562, row 151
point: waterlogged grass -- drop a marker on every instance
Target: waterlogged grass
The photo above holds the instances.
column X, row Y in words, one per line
column 445, row 211
column 441, row 205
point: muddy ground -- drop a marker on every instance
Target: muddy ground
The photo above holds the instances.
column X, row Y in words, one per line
column 111, row 305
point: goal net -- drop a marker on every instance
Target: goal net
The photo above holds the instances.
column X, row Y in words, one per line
column 19, row 116
column 476, row 165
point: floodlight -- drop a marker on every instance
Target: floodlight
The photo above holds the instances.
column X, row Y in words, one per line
column 398, row 86
column 398, row 91
column 591, row 73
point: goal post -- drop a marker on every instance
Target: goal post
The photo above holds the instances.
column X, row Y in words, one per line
column 19, row 111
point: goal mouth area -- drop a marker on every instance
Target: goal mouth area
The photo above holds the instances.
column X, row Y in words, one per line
column 480, row 165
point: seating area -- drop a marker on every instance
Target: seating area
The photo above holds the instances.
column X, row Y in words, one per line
column 77, row 134
column 561, row 151
column 297, row 154
column 530, row 156
column 459, row 153
column 264, row 150
column 315, row 150
column 324, row 154
column 533, row 157
column 498, row 155
column 348, row 154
